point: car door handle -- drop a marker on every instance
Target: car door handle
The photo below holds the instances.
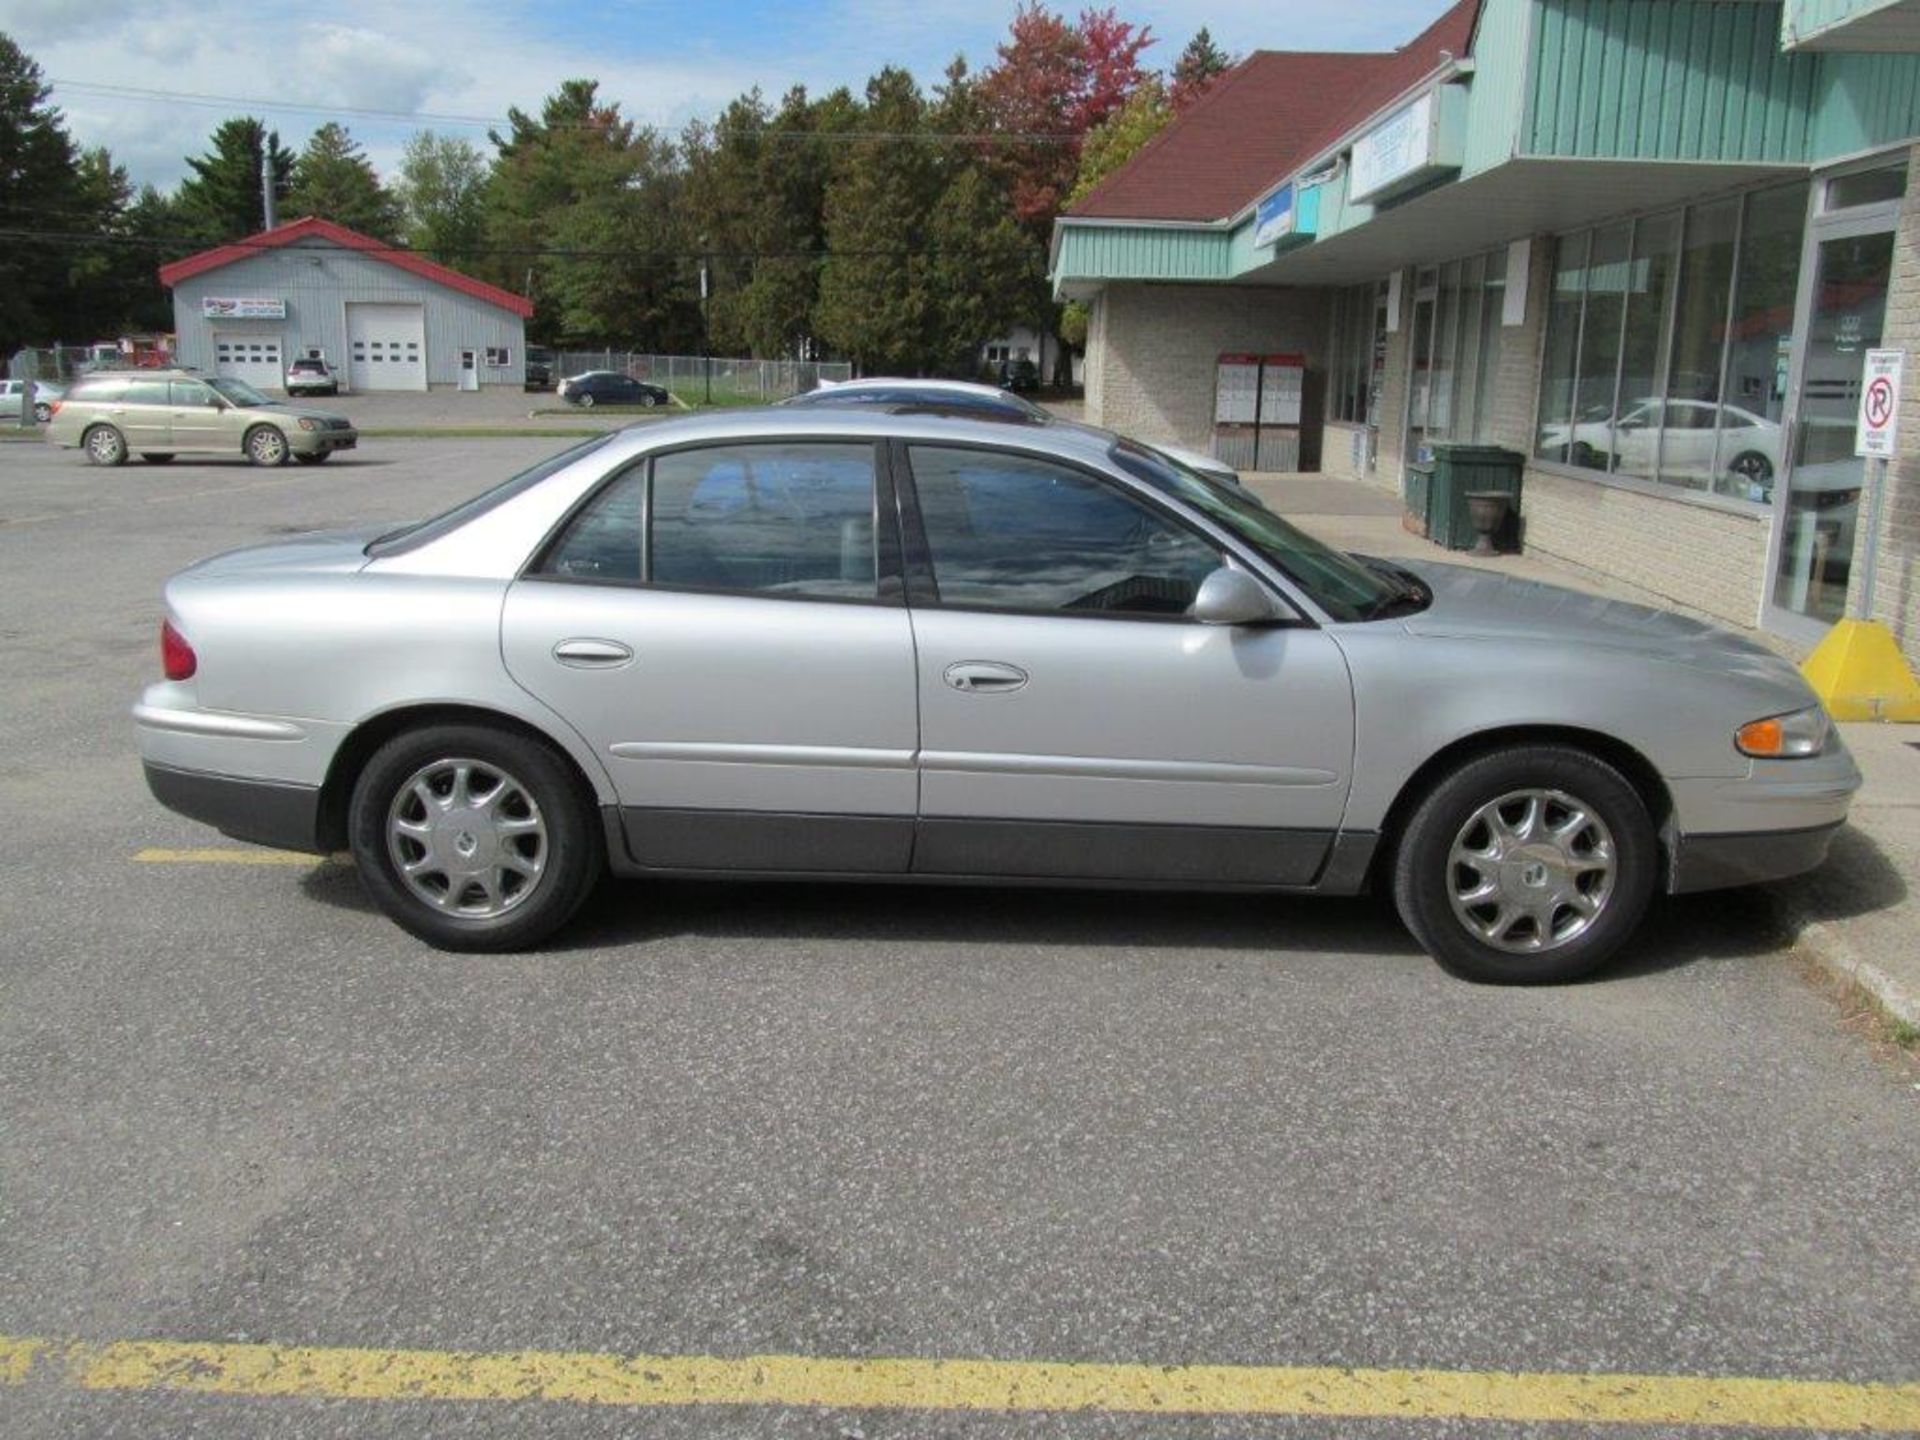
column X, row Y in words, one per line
column 593, row 654
column 985, row 677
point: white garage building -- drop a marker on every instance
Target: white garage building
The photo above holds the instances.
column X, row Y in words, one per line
column 382, row 318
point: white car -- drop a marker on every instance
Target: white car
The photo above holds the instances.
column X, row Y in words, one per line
column 310, row 375
column 1676, row 438
column 45, row 392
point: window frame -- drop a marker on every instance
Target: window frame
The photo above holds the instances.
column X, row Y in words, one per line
column 889, row 584
column 922, row 587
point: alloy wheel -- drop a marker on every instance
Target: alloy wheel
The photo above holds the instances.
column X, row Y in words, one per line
column 1531, row 871
column 467, row 838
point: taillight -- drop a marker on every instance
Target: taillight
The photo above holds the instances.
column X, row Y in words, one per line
column 176, row 655
column 53, row 406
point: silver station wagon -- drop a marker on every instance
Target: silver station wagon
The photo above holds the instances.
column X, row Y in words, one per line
column 158, row 414
column 841, row 644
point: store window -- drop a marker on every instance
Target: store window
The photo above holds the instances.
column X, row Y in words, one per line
column 1668, row 341
column 1456, row 350
column 1357, row 333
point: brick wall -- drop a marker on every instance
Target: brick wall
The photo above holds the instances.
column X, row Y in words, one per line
column 1896, row 597
column 1152, row 350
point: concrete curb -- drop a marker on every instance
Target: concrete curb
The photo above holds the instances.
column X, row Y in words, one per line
column 1825, row 942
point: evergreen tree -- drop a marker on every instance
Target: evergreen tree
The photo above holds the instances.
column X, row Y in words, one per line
column 1194, row 73
column 441, row 193
column 37, row 192
column 876, row 304
column 334, row 180
column 221, row 200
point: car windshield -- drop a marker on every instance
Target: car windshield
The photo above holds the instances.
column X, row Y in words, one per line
column 1341, row 585
column 409, row 537
column 238, row 392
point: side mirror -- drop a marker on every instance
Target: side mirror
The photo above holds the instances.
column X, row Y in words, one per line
column 1233, row 597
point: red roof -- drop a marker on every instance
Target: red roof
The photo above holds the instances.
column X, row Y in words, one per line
column 1263, row 120
column 314, row 227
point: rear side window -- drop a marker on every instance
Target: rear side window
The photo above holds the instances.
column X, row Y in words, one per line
column 145, row 392
column 1014, row 532
column 98, row 392
column 784, row 519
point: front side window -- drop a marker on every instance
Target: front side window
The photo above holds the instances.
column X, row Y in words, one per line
column 1015, row 532
column 239, row 392
column 786, row 519
column 190, row 393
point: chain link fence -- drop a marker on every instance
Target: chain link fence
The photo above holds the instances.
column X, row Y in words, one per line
column 697, row 379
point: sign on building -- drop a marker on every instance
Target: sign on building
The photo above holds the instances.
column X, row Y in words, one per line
column 251, row 307
column 1397, row 146
column 1879, row 426
column 1273, row 217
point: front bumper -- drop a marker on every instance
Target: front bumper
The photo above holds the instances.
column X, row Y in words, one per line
column 261, row 812
column 321, row 442
column 1775, row 822
column 1720, row 862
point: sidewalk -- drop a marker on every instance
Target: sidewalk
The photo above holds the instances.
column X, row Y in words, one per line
column 1858, row 915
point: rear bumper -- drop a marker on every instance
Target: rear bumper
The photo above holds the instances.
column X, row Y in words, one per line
column 261, row 812
column 1719, row 862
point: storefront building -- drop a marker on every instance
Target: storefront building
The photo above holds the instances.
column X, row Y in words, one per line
column 1645, row 243
column 382, row 317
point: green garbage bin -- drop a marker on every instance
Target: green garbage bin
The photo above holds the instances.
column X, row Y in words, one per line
column 1416, row 488
column 1459, row 469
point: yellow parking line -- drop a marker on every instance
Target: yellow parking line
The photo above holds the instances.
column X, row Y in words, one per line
column 315, row 1372
column 231, row 855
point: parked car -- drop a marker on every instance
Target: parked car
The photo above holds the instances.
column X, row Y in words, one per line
column 540, row 365
column 160, row 414
column 845, row 644
column 310, row 375
column 1677, row 438
column 45, row 393
column 1019, row 375
column 610, row 387
column 964, row 397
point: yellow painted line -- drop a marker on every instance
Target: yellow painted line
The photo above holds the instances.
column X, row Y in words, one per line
column 329, row 1373
column 232, row 855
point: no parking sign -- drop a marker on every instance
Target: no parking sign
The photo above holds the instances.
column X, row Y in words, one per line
column 1879, row 405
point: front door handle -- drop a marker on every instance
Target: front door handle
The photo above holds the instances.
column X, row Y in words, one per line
column 593, row 654
column 985, row 677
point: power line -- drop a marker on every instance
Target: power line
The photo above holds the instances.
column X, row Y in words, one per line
column 361, row 112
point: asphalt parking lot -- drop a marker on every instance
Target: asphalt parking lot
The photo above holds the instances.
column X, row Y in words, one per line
column 840, row 1123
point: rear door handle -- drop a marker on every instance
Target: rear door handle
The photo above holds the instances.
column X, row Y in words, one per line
column 985, row 677
column 593, row 654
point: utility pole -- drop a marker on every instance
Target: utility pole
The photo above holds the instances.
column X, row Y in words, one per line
column 266, row 183
column 706, row 329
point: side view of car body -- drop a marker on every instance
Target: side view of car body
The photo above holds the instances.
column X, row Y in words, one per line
column 963, row 397
column 539, row 373
column 809, row 644
column 610, row 387
column 13, row 395
column 175, row 412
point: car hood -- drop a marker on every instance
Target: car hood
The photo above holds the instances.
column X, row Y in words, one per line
column 1479, row 604
column 336, row 551
column 298, row 411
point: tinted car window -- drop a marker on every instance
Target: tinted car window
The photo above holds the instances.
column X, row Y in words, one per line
column 603, row 541
column 775, row 519
column 1010, row 532
column 98, row 392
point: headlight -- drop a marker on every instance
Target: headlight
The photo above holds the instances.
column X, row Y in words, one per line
column 307, row 424
column 1785, row 737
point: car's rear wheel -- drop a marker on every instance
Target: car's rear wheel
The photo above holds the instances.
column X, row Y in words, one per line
column 1527, row 866
column 157, row 457
column 473, row 838
column 315, row 458
column 43, row 412
column 105, row 445
column 266, row 446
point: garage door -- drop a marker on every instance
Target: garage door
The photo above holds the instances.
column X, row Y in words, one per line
column 252, row 358
column 387, row 347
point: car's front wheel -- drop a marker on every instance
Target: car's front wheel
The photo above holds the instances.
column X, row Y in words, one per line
column 266, row 446
column 1530, row 865
column 473, row 838
column 648, row 399
column 43, row 412
column 105, row 445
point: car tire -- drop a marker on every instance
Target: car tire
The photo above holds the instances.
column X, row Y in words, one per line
column 1752, row 467
column 584, row 400
column 104, row 445
column 158, row 457
column 648, row 399
column 543, row 818
column 1557, row 896
column 318, row 457
column 265, row 445
column 43, row 412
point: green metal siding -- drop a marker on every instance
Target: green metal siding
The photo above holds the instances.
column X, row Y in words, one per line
column 1498, row 90
column 1652, row 79
column 1866, row 101
column 1114, row 252
column 1804, row 17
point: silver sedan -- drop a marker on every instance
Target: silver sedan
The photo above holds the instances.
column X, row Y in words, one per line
column 833, row 644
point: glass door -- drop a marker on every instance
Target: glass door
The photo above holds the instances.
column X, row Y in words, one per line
column 1843, row 307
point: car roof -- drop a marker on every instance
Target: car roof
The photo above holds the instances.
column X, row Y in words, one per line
column 905, row 422
column 878, row 382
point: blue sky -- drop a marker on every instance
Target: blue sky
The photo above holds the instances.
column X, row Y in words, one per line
column 665, row 62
